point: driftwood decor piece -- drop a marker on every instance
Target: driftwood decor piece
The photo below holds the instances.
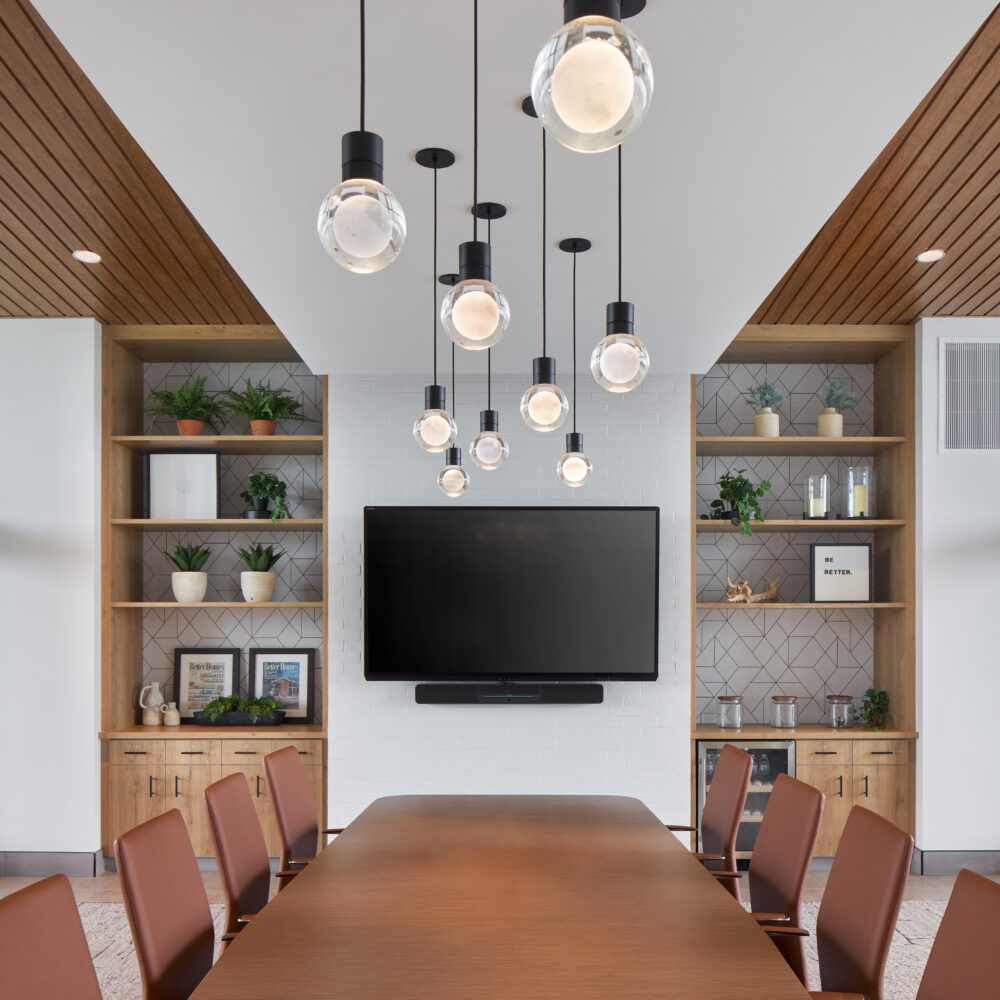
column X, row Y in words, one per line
column 741, row 592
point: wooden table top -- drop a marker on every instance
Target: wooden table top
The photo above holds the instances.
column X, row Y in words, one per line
column 505, row 897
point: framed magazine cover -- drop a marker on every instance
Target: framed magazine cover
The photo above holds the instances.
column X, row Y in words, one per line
column 201, row 676
column 286, row 675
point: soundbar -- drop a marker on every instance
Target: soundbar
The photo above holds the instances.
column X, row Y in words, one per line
column 509, row 694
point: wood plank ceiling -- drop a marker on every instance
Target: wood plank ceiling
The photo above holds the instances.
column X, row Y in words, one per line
column 72, row 177
column 936, row 185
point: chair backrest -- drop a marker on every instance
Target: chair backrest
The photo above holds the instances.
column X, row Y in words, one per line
column 965, row 959
column 861, row 902
column 166, row 906
column 724, row 803
column 43, row 950
column 240, row 848
column 294, row 809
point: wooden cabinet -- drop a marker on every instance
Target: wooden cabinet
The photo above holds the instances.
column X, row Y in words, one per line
column 254, row 773
column 835, row 782
column 185, row 790
column 134, row 795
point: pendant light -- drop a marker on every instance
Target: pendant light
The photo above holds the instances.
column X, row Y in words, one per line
column 593, row 82
column 453, row 480
column 475, row 312
column 620, row 361
column 574, row 467
column 544, row 406
column 361, row 223
column 489, row 448
column 435, row 430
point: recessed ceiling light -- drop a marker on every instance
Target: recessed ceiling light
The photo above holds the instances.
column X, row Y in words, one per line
column 87, row 256
column 929, row 256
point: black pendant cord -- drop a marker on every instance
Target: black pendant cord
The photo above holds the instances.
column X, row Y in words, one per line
column 489, row 379
column 453, row 378
column 475, row 119
column 362, row 65
column 434, row 305
column 619, row 222
column 544, row 238
column 574, row 343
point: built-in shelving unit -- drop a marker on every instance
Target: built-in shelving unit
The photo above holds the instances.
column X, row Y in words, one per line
column 202, row 525
column 230, row 444
column 801, row 525
column 795, row 445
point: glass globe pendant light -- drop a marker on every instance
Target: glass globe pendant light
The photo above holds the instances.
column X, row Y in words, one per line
column 593, row 82
column 574, row 467
column 620, row 360
column 453, row 480
column 475, row 313
column 435, row 430
column 361, row 222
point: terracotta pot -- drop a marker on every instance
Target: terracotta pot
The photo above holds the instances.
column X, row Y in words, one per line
column 189, row 588
column 190, row 428
column 263, row 427
column 830, row 423
column 257, row 586
column 766, row 423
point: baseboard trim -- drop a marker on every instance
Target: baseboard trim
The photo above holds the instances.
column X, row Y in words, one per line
column 952, row 862
column 39, row 864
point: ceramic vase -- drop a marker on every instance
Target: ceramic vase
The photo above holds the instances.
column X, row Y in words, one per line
column 766, row 423
column 257, row 587
column 171, row 714
column 151, row 704
column 830, row 423
column 189, row 588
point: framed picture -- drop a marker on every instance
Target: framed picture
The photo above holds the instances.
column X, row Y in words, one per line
column 840, row 572
column 286, row 675
column 183, row 484
column 202, row 675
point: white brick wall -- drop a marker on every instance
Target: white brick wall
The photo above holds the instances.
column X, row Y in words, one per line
column 381, row 742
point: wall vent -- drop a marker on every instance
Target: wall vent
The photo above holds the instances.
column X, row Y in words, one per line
column 969, row 394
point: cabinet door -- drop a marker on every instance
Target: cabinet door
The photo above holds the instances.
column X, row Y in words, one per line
column 136, row 794
column 185, row 790
column 835, row 784
column 254, row 774
column 884, row 788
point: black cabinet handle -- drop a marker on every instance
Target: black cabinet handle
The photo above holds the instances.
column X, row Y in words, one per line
column 841, row 792
column 825, row 753
column 135, row 753
column 882, row 753
column 150, row 786
column 192, row 753
column 258, row 786
column 866, row 786
column 177, row 786
column 303, row 753
column 252, row 753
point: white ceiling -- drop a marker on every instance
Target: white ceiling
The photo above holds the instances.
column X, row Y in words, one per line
column 765, row 114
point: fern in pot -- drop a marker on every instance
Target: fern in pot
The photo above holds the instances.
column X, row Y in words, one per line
column 830, row 422
column 257, row 580
column 763, row 398
column 263, row 406
column 189, row 582
column 189, row 405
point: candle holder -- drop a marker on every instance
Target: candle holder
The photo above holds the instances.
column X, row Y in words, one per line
column 817, row 498
column 860, row 492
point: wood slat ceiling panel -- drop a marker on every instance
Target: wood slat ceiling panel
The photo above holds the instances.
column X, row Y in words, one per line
column 936, row 184
column 72, row 177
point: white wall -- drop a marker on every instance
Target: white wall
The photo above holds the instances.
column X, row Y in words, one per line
column 958, row 665
column 49, row 545
column 381, row 742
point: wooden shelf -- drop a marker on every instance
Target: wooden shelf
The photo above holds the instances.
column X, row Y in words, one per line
column 811, row 731
column 245, row 605
column 228, row 444
column 749, row 818
column 219, row 524
column 759, row 788
column 806, row 604
column 205, row 343
column 814, row 344
column 794, row 446
column 190, row 732
column 800, row 525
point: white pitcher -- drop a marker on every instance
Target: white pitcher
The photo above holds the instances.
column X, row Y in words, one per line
column 152, row 707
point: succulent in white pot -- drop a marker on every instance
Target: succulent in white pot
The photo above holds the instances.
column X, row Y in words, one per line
column 763, row 398
column 830, row 423
column 257, row 580
column 189, row 583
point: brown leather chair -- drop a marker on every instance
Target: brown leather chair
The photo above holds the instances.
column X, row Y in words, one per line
column 166, row 906
column 860, row 905
column 43, row 950
column 723, row 809
column 294, row 808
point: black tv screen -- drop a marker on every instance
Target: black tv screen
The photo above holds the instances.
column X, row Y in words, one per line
column 511, row 593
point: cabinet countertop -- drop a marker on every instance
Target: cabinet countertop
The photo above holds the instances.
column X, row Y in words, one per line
column 803, row 732
column 311, row 732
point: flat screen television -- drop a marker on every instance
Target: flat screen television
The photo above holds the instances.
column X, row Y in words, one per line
column 511, row 593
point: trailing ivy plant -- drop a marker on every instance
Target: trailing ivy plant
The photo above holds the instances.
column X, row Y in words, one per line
column 267, row 486
column 833, row 396
column 256, row 707
column 260, row 559
column 763, row 395
column 189, row 558
column 262, row 402
column 739, row 501
column 189, row 402
column 874, row 711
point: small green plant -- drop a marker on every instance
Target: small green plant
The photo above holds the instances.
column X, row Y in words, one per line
column 833, row 396
column 874, row 711
column 259, row 559
column 188, row 558
column 739, row 500
column 189, row 402
column 764, row 394
column 256, row 707
column 267, row 486
column 261, row 402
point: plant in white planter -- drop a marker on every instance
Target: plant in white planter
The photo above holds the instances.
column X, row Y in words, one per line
column 763, row 398
column 257, row 580
column 189, row 582
column 830, row 422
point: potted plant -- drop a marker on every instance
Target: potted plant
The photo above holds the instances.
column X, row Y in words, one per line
column 763, row 397
column 189, row 582
column 189, row 405
column 257, row 580
column 874, row 711
column 264, row 488
column 830, row 422
column 738, row 501
column 238, row 710
column 263, row 406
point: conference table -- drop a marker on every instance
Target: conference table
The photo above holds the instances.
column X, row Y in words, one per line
column 518, row 897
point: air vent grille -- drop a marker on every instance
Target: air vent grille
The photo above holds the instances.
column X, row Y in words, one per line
column 969, row 371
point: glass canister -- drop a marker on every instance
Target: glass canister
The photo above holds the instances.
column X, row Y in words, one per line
column 839, row 710
column 817, row 496
column 860, row 491
column 784, row 711
column 730, row 711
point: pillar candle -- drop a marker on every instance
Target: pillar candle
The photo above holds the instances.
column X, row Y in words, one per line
column 816, row 507
column 859, row 500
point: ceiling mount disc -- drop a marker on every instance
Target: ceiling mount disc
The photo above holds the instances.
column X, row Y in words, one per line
column 528, row 107
column 434, row 157
column 489, row 210
column 448, row 279
column 632, row 7
column 575, row 244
